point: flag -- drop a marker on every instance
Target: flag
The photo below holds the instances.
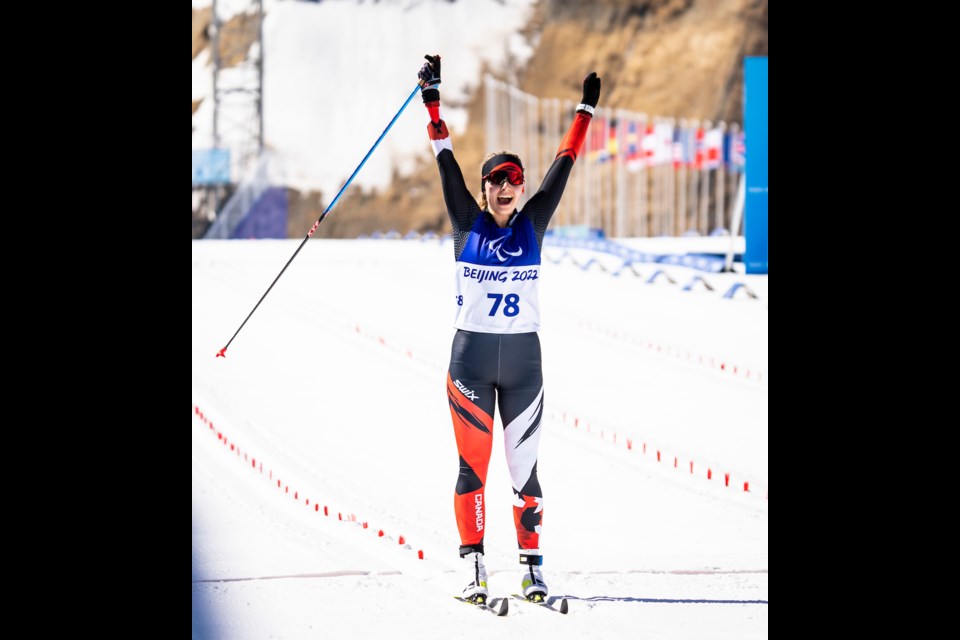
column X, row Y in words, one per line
column 634, row 152
column 649, row 145
column 713, row 141
column 609, row 151
column 664, row 134
column 595, row 142
column 739, row 153
column 677, row 148
column 657, row 144
column 688, row 138
column 728, row 149
column 701, row 150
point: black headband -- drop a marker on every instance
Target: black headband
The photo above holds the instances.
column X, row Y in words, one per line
column 499, row 159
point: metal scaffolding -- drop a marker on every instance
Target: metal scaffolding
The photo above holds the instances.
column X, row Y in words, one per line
column 236, row 41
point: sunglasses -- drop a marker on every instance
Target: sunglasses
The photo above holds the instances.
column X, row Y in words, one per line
column 510, row 174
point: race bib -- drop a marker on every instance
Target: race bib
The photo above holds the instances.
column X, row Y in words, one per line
column 494, row 299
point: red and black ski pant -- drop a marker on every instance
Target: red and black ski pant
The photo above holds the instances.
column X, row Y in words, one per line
column 506, row 370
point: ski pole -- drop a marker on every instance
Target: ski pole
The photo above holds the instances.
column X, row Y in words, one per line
column 223, row 352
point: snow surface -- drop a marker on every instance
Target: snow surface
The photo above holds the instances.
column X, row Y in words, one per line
column 332, row 396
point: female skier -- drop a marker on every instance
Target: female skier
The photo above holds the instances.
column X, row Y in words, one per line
column 496, row 349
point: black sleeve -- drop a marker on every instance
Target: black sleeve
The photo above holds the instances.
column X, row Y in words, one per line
column 544, row 202
column 462, row 209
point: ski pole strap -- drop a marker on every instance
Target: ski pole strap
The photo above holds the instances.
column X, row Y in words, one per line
column 471, row 548
column 531, row 559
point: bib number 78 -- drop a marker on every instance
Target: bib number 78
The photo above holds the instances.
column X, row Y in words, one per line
column 511, row 304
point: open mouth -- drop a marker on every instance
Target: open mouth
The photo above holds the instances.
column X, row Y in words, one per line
column 504, row 200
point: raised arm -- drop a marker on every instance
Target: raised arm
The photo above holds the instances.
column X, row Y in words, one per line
column 461, row 207
column 544, row 202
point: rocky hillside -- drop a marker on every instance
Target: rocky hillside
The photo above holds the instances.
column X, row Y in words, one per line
column 681, row 58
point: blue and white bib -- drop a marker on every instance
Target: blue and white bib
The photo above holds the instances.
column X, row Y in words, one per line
column 498, row 278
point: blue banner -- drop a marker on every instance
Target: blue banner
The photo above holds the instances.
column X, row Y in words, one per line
column 267, row 218
column 755, row 126
column 211, row 166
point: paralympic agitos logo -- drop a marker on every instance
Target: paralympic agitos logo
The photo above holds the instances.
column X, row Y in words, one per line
column 494, row 247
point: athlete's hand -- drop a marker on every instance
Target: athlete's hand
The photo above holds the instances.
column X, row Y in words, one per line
column 429, row 74
column 591, row 92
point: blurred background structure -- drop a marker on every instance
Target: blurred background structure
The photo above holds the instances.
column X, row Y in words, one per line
column 288, row 95
column 637, row 176
column 232, row 30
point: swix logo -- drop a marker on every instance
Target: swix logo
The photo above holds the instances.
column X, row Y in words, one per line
column 470, row 394
column 478, row 502
column 494, row 246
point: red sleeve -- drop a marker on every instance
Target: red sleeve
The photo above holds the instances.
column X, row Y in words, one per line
column 572, row 143
column 433, row 108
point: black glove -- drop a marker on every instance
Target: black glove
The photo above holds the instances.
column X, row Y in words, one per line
column 429, row 78
column 430, row 71
column 591, row 92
